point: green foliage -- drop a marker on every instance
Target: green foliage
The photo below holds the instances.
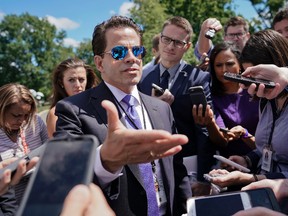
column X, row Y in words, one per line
column 30, row 49
column 150, row 15
column 84, row 52
column 266, row 10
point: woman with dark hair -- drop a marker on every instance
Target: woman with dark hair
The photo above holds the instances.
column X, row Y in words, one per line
column 270, row 158
column 70, row 77
column 232, row 106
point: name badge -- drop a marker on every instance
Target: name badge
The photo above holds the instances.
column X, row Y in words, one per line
column 267, row 159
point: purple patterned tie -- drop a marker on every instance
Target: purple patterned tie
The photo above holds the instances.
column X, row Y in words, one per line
column 145, row 168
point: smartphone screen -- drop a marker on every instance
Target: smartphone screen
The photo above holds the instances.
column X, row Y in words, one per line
column 217, row 205
column 264, row 197
column 64, row 164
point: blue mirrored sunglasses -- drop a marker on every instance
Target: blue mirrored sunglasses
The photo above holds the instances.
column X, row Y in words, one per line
column 120, row 52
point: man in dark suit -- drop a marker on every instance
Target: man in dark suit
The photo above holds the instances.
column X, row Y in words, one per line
column 174, row 43
column 118, row 56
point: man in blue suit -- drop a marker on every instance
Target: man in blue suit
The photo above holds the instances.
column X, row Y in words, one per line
column 104, row 112
column 174, row 43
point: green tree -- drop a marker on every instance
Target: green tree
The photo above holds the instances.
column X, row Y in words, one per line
column 150, row 15
column 30, row 49
column 266, row 10
column 84, row 52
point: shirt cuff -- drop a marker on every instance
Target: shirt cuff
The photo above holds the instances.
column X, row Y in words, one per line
column 104, row 177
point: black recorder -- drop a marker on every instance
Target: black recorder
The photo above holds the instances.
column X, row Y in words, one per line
column 248, row 80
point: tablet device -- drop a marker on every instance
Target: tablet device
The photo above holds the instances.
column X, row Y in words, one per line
column 231, row 163
column 222, row 204
column 64, row 163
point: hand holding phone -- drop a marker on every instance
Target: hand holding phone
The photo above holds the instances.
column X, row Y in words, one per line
column 158, row 90
column 65, row 163
column 221, row 204
column 13, row 166
column 224, row 130
column 231, row 163
column 248, row 80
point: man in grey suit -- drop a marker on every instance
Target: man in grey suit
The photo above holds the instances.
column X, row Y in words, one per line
column 103, row 112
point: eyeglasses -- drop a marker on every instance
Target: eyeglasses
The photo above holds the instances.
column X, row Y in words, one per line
column 120, row 52
column 177, row 43
column 236, row 35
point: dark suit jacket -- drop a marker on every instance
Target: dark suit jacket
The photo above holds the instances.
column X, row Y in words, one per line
column 83, row 114
column 199, row 143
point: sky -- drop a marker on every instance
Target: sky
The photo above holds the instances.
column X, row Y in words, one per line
column 79, row 17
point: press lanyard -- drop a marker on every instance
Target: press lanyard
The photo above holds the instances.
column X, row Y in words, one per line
column 276, row 115
column 23, row 141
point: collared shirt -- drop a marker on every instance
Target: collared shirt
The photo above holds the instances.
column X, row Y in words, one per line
column 173, row 71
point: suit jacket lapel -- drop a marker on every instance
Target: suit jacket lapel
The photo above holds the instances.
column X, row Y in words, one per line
column 100, row 93
column 184, row 74
column 151, row 109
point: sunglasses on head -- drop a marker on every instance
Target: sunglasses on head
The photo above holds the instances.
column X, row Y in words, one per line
column 120, row 52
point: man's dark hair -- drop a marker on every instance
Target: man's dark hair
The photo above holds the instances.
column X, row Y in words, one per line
column 99, row 42
column 281, row 15
column 237, row 20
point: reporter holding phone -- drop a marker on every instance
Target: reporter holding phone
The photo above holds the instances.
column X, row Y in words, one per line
column 270, row 158
column 21, row 131
column 176, row 76
column 231, row 127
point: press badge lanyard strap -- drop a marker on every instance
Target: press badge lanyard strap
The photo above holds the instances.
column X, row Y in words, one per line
column 267, row 154
column 276, row 115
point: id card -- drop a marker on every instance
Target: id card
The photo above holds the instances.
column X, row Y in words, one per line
column 267, row 159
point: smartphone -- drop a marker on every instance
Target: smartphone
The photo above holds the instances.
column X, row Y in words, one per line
column 248, row 80
column 221, row 204
column 264, row 197
column 197, row 97
column 64, row 163
column 231, row 163
column 215, row 189
column 13, row 166
column 224, row 130
column 158, row 90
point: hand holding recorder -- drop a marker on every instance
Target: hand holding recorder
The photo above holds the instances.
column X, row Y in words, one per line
column 279, row 75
